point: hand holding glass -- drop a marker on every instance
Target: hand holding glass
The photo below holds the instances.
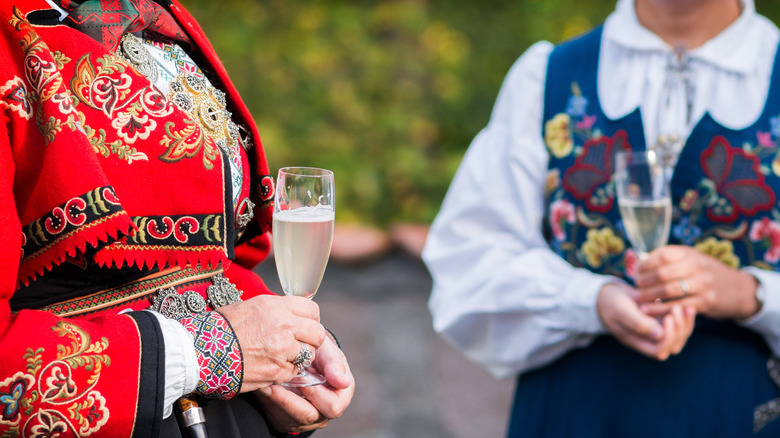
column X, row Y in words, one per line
column 644, row 199
column 304, row 216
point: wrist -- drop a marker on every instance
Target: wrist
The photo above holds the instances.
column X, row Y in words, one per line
column 604, row 301
column 755, row 299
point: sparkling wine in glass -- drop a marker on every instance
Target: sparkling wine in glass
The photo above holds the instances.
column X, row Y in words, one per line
column 304, row 217
column 644, row 199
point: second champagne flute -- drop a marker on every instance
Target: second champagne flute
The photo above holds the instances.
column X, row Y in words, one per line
column 304, row 217
column 642, row 187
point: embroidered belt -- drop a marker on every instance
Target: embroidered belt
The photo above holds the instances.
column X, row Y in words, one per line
column 172, row 292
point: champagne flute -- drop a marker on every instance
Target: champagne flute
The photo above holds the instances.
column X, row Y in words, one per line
column 644, row 199
column 304, row 216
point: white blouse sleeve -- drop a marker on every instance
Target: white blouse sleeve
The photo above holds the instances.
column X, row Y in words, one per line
column 767, row 321
column 500, row 294
column 181, row 364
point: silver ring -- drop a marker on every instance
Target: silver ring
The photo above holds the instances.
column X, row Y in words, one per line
column 685, row 287
column 304, row 358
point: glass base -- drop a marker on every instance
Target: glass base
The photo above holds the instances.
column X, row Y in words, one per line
column 305, row 378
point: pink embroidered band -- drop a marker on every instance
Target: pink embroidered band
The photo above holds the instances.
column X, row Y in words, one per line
column 219, row 354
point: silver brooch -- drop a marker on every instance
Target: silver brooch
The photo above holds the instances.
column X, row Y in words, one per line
column 206, row 106
column 132, row 50
column 244, row 218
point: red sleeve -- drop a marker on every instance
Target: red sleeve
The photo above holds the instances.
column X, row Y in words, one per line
column 75, row 377
column 81, row 377
column 61, row 377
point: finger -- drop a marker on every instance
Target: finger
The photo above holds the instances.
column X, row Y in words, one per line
column 298, row 411
column 690, row 319
column 685, row 322
column 681, row 334
column 662, row 256
column 670, row 290
column 651, row 294
column 643, row 345
column 310, row 332
column 329, row 401
column 304, row 307
column 332, row 363
column 666, row 347
column 665, row 273
column 297, row 407
column 661, row 308
column 675, row 262
column 642, row 326
column 337, row 377
column 639, row 331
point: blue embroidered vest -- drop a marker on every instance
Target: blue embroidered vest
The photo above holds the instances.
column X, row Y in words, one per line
column 723, row 186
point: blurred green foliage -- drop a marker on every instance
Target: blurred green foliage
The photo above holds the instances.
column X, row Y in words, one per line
column 387, row 94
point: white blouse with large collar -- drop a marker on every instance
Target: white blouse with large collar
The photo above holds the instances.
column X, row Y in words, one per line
column 500, row 294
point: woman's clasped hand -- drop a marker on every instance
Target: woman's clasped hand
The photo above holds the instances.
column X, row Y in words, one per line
column 657, row 337
column 683, row 275
column 674, row 284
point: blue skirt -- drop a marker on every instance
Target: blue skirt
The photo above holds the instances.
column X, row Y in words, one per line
column 607, row 390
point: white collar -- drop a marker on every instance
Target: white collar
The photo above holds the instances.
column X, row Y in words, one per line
column 734, row 49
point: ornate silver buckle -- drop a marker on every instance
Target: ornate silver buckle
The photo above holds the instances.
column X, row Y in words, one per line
column 223, row 292
column 172, row 304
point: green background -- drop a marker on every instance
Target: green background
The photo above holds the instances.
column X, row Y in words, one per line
column 387, row 94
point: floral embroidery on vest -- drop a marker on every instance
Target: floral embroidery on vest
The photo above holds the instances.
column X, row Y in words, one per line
column 589, row 179
column 63, row 407
column 733, row 205
column 582, row 201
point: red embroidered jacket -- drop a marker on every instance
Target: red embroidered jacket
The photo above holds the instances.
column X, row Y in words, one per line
column 97, row 166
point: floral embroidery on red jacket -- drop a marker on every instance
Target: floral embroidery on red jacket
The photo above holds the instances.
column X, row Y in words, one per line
column 45, row 399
